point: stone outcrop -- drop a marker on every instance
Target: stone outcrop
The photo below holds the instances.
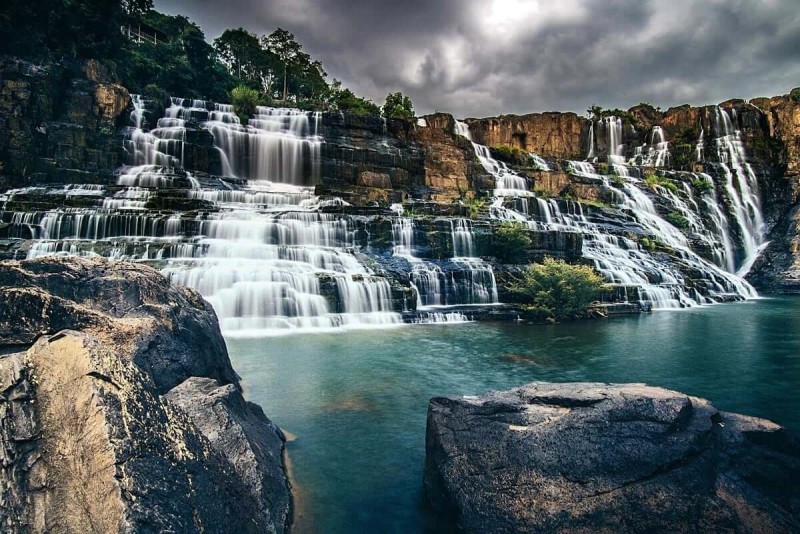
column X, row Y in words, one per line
column 554, row 135
column 778, row 269
column 367, row 159
column 125, row 414
column 608, row 458
column 58, row 122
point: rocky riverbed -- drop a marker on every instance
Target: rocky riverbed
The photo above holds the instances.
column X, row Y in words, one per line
column 120, row 411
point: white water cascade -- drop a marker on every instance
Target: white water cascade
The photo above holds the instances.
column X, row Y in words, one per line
column 741, row 184
column 462, row 280
column 611, row 128
column 655, row 153
column 265, row 256
column 637, row 272
column 507, row 182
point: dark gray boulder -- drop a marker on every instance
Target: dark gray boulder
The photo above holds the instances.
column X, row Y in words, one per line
column 125, row 415
column 589, row 457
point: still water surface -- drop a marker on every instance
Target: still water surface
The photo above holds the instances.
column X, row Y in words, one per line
column 356, row 401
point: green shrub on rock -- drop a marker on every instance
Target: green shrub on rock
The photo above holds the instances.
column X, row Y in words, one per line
column 678, row 220
column 702, row 185
column 511, row 241
column 244, row 100
column 557, row 290
column 652, row 181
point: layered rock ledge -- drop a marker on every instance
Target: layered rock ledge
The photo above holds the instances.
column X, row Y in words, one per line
column 120, row 411
column 586, row 457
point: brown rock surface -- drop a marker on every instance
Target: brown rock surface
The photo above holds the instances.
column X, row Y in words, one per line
column 134, row 423
column 556, row 135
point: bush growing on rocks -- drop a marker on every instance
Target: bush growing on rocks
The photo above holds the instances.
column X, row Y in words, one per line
column 652, row 181
column 678, row 220
column 244, row 101
column 511, row 241
column 558, row 290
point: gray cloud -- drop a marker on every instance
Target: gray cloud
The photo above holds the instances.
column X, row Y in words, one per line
column 487, row 57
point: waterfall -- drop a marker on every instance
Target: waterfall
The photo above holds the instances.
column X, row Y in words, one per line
column 655, row 153
column 611, row 127
column 462, row 129
column 277, row 145
column 272, row 257
column 462, row 280
column 698, row 150
column 592, row 148
column 624, row 263
column 264, row 255
column 741, row 185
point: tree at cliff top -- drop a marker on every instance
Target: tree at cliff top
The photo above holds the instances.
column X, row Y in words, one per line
column 289, row 52
column 73, row 29
column 244, row 100
column 339, row 98
column 246, row 59
column 184, row 65
column 557, row 290
column 398, row 106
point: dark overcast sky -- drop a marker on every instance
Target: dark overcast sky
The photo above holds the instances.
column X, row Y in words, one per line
column 487, row 57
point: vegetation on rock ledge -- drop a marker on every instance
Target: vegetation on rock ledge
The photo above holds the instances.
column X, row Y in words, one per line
column 511, row 241
column 555, row 289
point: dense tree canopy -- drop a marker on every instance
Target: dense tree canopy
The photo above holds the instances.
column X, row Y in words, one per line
column 398, row 106
column 182, row 62
column 244, row 58
column 185, row 65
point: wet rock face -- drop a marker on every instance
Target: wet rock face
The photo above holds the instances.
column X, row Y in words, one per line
column 588, row 457
column 58, row 122
column 125, row 414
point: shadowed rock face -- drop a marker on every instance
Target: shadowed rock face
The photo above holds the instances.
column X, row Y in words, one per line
column 169, row 333
column 125, row 414
column 608, row 458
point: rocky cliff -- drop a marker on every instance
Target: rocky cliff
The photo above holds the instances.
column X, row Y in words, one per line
column 608, row 458
column 125, row 415
column 368, row 159
column 552, row 135
column 58, row 122
column 778, row 270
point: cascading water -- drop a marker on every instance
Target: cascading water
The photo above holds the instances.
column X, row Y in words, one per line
column 278, row 145
column 741, row 185
column 271, row 259
column 264, row 255
column 625, row 263
column 611, row 129
column 655, row 153
column 462, row 280
column 507, row 182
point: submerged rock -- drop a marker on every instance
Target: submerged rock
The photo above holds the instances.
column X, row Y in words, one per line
column 589, row 457
column 125, row 414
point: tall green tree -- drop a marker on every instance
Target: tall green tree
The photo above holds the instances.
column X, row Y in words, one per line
column 283, row 44
column 246, row 59
column 398, row 106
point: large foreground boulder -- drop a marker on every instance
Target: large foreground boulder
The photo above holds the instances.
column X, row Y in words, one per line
column 588, row 457
column 125, row 414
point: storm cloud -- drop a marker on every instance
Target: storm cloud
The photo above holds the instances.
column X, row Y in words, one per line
column 480, row 58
